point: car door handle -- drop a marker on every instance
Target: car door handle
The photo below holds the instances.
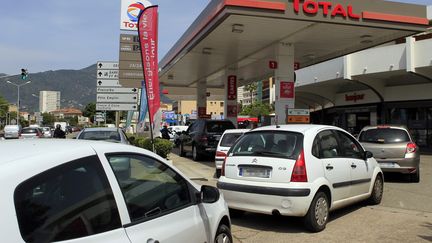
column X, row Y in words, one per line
column 329, row 167
column 353, row 166
column 152, row 241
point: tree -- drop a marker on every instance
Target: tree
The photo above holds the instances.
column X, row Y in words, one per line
column 251, row 88
column 256, row 109
column 4, row 108
column 90, row 111
column 48, row 119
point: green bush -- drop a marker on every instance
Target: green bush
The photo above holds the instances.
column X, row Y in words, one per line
column 162, row 146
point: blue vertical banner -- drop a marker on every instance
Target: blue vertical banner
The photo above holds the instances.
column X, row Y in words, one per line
column 143, row 108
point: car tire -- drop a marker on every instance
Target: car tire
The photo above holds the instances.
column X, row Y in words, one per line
column 415, row 177
column 317, row 216
column 195, row 153
column 236, row 213
column 182, row 152
column 377, row 191
column 223, row 234
column 218, row 173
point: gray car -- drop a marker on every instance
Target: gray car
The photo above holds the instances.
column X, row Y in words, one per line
column 393, row 148
column 109, row 134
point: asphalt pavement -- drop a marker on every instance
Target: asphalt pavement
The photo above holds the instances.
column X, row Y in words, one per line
column 404, row 215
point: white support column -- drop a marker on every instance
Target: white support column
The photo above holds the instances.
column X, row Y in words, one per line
column 284, row 81
column 201, row 98
column 410, row 56
column 230, row 101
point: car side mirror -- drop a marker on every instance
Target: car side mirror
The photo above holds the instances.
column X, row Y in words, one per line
column 209, row 194
column 368, row 155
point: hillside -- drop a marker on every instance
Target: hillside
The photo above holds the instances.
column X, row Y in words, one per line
column 77, row 87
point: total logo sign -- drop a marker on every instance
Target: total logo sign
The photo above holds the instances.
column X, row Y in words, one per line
column 327, row 8
column 130, row 10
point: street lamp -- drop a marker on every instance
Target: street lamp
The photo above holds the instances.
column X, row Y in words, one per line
column 18, row 100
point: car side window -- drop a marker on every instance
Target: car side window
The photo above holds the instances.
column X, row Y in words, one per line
column 70, row 201
column 150, row 188
column 350, row 148
column 192, row 127
column 328, row 144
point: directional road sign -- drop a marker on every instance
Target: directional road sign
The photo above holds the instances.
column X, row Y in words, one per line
column 109, row 90
column 117, row 98
column 108, row 83
column 101, row 65
column 107, row 74
column 116, row 107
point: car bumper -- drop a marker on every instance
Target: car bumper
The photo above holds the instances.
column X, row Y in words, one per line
column 267, row 200
column 405, row 165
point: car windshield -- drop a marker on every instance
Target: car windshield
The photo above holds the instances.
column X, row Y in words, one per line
column 229, row 138
column 219, row 126
column 269, row 144
column 29, row 130
column 100, row 135
column 384, row 135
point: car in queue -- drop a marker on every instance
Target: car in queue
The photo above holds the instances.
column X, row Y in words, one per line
column 299, row 170
column 12, row 131
column 31, row 133
column 102, row 192
column 226, row 141
column 394, row 149
column 109, row 134
column 202, row 136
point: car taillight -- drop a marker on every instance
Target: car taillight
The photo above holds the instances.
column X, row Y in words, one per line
column 223, row 167
column 299, row 173
column 220, row 154
column 411, row 148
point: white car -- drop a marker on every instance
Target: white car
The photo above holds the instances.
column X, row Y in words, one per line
column 174, row 136
column 89, row 191
column 299, row 170
column 227, row 139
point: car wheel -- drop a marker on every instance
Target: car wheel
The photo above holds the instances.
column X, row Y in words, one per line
column 235, row 213
column 182, row 152
column 377, row 191
column 195, row 154
column 223, row 234
column 415, row 178
column 218, row 173
column 317, row 215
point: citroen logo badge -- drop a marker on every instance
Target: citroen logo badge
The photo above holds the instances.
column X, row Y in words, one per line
column 254, row 161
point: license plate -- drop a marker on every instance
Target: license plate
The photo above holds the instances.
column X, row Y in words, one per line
column 254, row 172
column 387, row 165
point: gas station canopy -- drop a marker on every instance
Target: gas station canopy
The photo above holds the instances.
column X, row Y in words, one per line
column 243, row 34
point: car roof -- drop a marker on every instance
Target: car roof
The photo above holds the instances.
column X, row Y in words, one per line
column 300, row 128
column 392, row 126
column 236, row 131
column 94, row 129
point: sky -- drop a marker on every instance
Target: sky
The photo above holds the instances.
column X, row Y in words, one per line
column 60, row 34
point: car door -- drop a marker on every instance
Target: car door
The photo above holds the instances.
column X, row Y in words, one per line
column 72, row 202
column 187, row 137
column 361, row 169
column 336, row 168
column 161, row 204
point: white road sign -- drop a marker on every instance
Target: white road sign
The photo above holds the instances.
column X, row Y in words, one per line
column 101, row 65
column 116, row 107
column 117, row 98
column 117, row 90
column 107, row 74
column 298, row 112
column 108, row 83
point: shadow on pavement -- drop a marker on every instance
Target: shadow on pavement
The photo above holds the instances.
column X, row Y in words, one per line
column 284, row 224
column 390, row 177
column 425, row 237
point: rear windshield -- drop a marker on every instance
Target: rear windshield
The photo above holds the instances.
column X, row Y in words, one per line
column 384, row 135
column 29, row 130
column 219, row 126
column 269, row 144
column 229, row 138
column 100, row 135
